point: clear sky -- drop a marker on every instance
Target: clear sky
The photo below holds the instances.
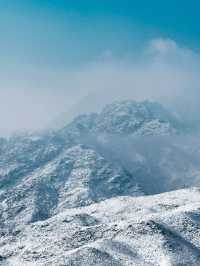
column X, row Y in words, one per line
column 50, row 52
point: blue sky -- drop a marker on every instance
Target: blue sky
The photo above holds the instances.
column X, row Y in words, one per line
column 66, row 32
column 64, row 56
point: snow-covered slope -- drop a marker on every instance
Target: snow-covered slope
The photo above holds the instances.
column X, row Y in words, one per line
column 78, row 176
column 154, row 230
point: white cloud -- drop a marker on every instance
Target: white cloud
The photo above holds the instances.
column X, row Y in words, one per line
column 163, row 46
column 164, row 72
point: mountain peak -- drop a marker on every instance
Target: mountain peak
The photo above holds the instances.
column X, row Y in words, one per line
column 126, row 117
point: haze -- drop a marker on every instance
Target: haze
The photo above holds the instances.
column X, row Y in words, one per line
column 57, row 61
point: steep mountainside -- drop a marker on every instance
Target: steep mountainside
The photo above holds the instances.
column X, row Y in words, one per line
column 76, row 177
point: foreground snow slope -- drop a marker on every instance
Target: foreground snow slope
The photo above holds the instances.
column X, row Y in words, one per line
column 163, row 229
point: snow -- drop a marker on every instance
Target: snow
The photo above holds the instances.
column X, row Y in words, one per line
column 143, row 230
column 126, row 117
column 65, row 200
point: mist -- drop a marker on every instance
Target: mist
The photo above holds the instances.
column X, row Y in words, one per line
column 37, row 98
column 157, row 163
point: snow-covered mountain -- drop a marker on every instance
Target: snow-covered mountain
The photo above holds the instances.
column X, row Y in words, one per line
column 71, row 193
column 127, row 118
column 151, row 230
column 78, row 176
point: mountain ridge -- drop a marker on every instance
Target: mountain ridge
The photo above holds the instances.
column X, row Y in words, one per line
column 151, row 230
column 126, row 118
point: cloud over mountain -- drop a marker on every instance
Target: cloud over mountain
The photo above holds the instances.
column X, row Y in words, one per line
column 162, row 71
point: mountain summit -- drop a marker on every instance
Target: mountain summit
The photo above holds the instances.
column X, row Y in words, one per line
column 127, row 118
